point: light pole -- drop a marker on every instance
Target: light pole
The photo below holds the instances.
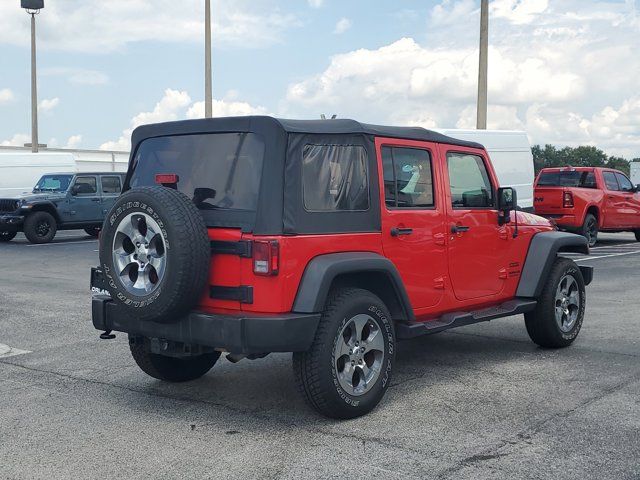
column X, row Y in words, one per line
column 481, row 122
column 33, row 7
column 208, row 107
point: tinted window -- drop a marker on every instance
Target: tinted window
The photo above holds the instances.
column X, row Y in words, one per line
column 610, row 181
column 111, row 185
column 624, row 182
column 408, row 180
column 85, row 185
column 217, row 170
column 469, row 181
column 583, row 179
column 334, row 177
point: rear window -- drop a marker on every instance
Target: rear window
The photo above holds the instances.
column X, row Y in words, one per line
column 216, row 170
column 334, row 177
column 586, row 179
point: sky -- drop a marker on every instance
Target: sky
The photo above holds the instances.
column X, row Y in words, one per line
column 565, row 71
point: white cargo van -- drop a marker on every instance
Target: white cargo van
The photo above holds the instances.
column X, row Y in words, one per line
column 511, row 156
column 19, row 172
column 635, row 173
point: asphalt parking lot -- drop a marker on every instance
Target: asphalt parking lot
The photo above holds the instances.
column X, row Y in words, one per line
column 477, row 402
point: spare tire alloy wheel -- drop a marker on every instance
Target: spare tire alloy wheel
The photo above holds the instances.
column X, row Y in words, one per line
column 155, row 253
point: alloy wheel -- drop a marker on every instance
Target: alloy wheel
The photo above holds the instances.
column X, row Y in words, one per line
column 567, row 303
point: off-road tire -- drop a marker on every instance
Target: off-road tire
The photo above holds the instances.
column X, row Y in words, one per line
column 170, row 369
column 93, row 231
column 40, row 227
column 541, row 323
column 7, row 235
column 187, row 247
column 589, row 229
column 315, row 371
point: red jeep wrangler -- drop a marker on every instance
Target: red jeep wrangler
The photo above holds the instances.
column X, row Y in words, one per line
column 330, row 239
column 586, row 200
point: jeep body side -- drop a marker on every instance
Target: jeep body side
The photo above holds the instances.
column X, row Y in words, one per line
column 60, row 201
column 313, row 228
column 587, row 200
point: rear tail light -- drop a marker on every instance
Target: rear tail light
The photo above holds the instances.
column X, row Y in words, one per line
column 266, row 257
column 167, row 179
column 567, row 200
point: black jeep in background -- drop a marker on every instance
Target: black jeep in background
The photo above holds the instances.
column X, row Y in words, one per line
column 60, row 201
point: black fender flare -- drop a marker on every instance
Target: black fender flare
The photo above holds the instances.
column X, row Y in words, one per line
column 44, row 206
column 323, row 269
column 543, row 250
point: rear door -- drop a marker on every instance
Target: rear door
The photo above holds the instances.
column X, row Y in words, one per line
column 614, row 200
column 631, row 211
column 413, row 215
column 110, row 188
column 85, row 201
column 478, row 248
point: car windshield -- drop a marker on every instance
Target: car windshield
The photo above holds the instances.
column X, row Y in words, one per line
column 53, row 183
column 217, row 171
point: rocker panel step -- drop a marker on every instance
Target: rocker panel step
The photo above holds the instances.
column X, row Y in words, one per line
column 460, row 319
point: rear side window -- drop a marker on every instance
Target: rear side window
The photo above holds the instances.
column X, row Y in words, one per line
column 111, row 184
column 624, row 182
column 469, row 181
column 408, row 178
column 334, row 178
column 85, row 185
column 215, row 170
column 582, row 179
column 610, row 181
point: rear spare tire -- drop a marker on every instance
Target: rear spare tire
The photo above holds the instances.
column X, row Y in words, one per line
column 155, row 253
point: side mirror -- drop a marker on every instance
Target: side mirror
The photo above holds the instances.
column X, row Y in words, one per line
column 637, row 188
column 507, row 201
column 75, row 189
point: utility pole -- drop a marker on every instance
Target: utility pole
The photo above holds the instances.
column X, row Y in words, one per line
column 33, row 8
column 481, row 123
column 208, row 107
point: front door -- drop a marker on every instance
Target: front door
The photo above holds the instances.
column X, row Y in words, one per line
column 477, row 247
column 413, row 230
column 85, row 201
column 614, row 201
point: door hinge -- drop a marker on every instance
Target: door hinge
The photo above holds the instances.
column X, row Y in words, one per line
column 503, row 233
column 438, row 283
column 502, row 273
column 439, row 239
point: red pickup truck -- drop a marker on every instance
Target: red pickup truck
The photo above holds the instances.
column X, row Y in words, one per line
column 586, row 200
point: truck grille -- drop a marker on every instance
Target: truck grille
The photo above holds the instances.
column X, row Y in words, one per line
column 7, row 206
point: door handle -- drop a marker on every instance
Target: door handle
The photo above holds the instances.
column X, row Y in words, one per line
column 396, row 231
column 95, row 199
column 459, row 228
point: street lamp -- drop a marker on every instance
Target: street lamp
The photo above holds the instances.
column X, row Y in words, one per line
column 33, row 7
column 481, row 121
column 207, row 60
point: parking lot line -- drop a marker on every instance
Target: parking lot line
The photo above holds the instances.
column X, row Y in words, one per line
column 615, row 246
column 607, row 256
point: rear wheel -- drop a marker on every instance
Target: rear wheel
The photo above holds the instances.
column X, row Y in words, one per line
column 170, row 369
column 7, row 235
column 347, row 370
column 558, row 317
column 40, row 227
column 93, row 231
column 589, row 229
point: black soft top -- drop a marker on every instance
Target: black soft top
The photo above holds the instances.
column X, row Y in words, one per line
column 265, row 123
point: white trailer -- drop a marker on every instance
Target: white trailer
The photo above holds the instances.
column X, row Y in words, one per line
column 511, row 156
column 635, row 173
column 19, row 172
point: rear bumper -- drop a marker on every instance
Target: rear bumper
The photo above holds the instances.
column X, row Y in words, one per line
column 10, row 221
column 240, row 333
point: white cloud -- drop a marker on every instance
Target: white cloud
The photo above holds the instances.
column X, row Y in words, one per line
column 342, row 26
column 48, row 104
column 73, row 26
column 564, row 77
column 77, row 76
column 176, row 105
column 6, row 95
column 18, row 140
column 73, row 142
column 316, row 3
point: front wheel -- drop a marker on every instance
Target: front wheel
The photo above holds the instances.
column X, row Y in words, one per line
column 558, row 317
column 40, row 227
column 347, row 370
column 589, row 229
column 170, row 369
column 7, row 235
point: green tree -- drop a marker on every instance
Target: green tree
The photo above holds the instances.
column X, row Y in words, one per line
column 582, row 156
